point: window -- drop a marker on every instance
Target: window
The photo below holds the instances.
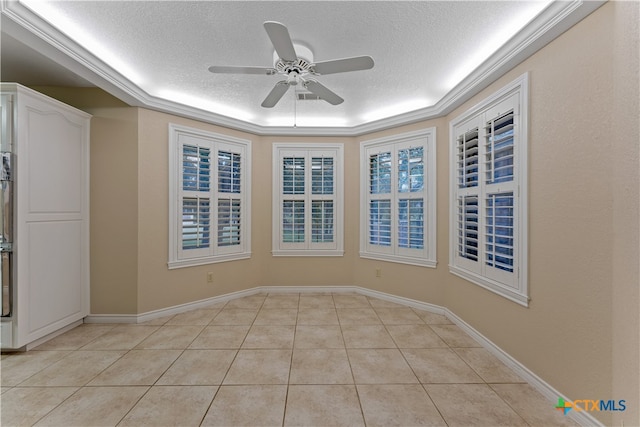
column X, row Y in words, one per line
column 307, row 205
column 398, row 204
column 209, row 213
column 488, row 149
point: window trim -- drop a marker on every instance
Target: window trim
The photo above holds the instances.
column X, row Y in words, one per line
column 312, row 250
column 395, row 253
column 218, row 142
column 518, row 293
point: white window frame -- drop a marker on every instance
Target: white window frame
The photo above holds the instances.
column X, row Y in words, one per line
column 308, row 248
column 511, row 285
column 427, row 256
column 178, row 137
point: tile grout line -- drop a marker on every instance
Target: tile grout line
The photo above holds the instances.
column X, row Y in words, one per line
column 78, row 388
column 263, row 306
column 148, row 386
column 353, row 377
column 293, row 343
column 206, row 412
column 420, row 383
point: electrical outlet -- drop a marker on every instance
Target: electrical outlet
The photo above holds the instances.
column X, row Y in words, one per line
column 210, row 277
column 378, row 272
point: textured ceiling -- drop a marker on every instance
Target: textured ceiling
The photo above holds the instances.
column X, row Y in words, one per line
column 421, row 49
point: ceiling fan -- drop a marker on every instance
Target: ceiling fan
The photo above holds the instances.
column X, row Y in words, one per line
column 295, row 62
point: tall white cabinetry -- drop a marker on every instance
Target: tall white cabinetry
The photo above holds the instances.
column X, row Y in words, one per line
column 48, row 285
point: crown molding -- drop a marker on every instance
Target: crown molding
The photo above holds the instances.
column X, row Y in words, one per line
column 21, row 23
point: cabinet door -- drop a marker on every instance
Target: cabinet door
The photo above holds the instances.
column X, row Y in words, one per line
column 53, row 216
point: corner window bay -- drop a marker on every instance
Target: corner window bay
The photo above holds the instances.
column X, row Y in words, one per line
column 488, row 151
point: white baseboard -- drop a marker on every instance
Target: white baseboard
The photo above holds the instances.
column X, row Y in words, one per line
column 307, row 289
column 583, row 418
column 169, row 311
column 425, row 306
column 111, row 318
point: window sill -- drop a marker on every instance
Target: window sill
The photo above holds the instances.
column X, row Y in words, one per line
column 422, row 262
column 207, row 260
column 307, row 253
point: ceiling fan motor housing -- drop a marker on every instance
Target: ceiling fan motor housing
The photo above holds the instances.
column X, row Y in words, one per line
column 302, row 65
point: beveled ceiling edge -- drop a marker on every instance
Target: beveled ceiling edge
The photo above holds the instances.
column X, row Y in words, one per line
column 26, row 26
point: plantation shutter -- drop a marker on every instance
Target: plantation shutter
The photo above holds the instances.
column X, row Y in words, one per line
column 196, row 199
column 380, row 198
column 308, row 199
column 485, row 193
column 322, row 203
column 410, row 196
column 209, row 197
column 229, row 200
column 468, row 155
column 396, row 198
column 468, row 227
column 500, row 207
column 468, row 197
column 488, row 155
column 293, row 200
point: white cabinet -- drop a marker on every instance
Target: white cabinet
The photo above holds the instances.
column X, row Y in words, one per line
column 51, row 215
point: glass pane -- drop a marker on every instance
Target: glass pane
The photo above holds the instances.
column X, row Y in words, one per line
column 195, row 223
column 380, row 173
column 380, row 222
column 228, row 172
column 411, row 223
column 293, row 175
column 293, row 221
column 499, row 231
column 499, row 149
column 322, row 221
column 190, row 168
column 228, row 222
column 411, row 170
column 196, row 170
column 322, row 175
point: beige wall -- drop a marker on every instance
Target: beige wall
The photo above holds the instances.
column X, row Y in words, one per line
column 114, row 210
column 419, row 283
column 159, row 287
column 565, row 334
column 580, row 332
column 291, row 271
column 625, row 175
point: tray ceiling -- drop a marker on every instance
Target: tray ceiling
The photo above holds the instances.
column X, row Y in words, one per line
column 429, row 55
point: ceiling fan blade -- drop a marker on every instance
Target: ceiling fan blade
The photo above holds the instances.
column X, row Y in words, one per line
column 242, row 70
column 276, row 93
column 281, row 40
column 324, row 93
column 343, row 65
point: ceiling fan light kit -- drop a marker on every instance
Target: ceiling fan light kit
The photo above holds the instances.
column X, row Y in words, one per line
column 294, row 61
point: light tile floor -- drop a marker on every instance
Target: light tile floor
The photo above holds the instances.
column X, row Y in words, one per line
column 270, row 360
